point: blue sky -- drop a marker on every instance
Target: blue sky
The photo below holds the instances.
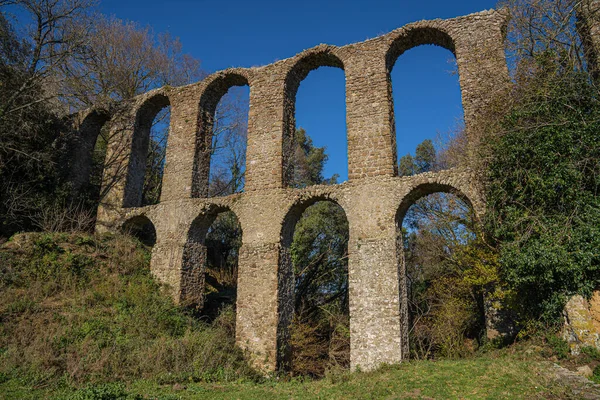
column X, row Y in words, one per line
column 252, row 33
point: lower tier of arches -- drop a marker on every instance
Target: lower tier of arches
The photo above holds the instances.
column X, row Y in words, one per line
column 374, row 210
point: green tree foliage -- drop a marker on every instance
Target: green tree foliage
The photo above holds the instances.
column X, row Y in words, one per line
column 423, row 161
column 450, row 269
column 308, row 162
column 320, row 331
column 543, row 186
column 319, row 254
column 542, row 161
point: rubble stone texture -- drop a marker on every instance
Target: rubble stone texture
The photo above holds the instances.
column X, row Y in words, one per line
column 580, row 328
column 594, row 303
column 374, row 199
column 588, row 24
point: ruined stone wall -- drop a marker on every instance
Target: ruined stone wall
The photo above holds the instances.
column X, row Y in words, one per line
column 264, row 285
column 374, row 199
column 588, row 24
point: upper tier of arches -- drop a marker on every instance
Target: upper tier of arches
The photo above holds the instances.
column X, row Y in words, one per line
column 476, row 40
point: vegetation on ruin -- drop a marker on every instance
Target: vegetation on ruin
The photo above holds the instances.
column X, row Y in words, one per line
column 81, row 309
column 543, row 189
column 543, row 166
column 83, row 319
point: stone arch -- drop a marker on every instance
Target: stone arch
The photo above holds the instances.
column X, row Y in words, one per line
column 409, row 38
column 425, row 189
column 195, row 255
column 414, row 36
column 295, row 211
column 136, row 167
column 417, row 192
column 85, row 142
column 322, row 56
column 209, row 99
column 141, row 227
column 285, row 275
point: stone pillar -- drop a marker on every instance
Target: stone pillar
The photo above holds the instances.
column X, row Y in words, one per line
column 479, row 48
column 180, row 266
column 588, row 25
column 370, row 126
column 88, row 125
column 193, row 270
column 375, row 320
column 116, row 165
column 181, row 144
column 265, row 130
column 166, row 265
column 403, row 291
column 258, row 303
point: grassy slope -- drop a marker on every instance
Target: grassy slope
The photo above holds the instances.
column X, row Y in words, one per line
column 500, row 378
column 79, row 311
column 475, row 379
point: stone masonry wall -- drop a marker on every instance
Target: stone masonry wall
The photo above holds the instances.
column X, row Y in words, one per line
column 374, row 199
column 588, row 24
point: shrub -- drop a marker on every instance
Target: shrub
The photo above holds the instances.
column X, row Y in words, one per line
column 543, row 180
column 559, row 346
column 85, row 310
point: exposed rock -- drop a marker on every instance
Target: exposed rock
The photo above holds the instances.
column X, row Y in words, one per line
column 580, row 329
column 594, row 303
column 498, row 321
column 580, row 386
column 585, row 371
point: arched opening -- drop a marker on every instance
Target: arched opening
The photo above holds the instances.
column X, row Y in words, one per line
column 89, row 155
column 229, row 142
column 210, row 268
column 148, row 150
column 315, row 149
column 221, row 139
column 446, row 272
column 427, row 102
column 142, row 228
column 314, row 320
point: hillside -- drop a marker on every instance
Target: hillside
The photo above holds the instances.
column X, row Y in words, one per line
column 82, row 318
column 79, row 309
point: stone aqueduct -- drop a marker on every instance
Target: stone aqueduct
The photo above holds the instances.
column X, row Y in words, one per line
column 374, row 199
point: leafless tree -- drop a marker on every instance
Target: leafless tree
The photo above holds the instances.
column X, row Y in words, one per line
column 51, row 39
column 537, row 26
column 122, row 59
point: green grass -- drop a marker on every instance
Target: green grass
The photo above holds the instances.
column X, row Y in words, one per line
column 82, row 318
column 479, row 378
column 78, row 310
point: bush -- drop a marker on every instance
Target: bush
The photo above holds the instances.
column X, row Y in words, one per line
column 543, row 179
column 106, row 391
column 85, row 310
column 320, row 344
column 559, row 346
column 596, row 374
